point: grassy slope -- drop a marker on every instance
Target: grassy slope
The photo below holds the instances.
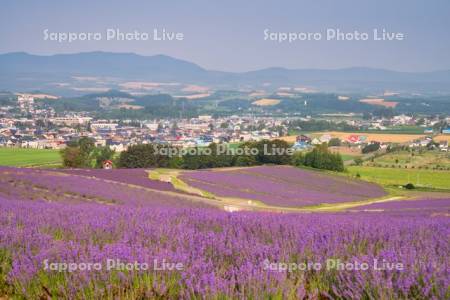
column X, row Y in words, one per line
column 397, row 176
column 347, row 157
column 428, row 159
column 21, row 157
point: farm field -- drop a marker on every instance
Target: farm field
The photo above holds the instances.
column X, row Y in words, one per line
column 417, row 159
column 347, row 157
column 131, row 231
column 400, row 176
column 404, row 129
column 380, row 102
column 425, row 206
column 346, row 153
column 266, row 102
column 442, row 138
column 22, row 157
column 379, row 137
column 139, row 177
column 281, row 185
column 54, row 185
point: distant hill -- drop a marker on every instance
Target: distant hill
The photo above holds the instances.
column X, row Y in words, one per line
column 123, row 65
column 22, row 71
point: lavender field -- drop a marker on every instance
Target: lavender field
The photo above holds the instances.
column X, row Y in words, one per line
column 417, row 205
column 52, row 186
column 130, row 176
column 282, row 185
column 66, row 236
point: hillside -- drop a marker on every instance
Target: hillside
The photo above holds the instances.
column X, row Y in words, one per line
column 62, row 68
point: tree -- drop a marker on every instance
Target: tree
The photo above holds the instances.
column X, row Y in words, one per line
column 146, row 156
column 321, row 158
column 245, row 161
column 371, row 148
column 203, row 158
column 78, row 153
column 334, row 142
column 83, row 153
column 269, row 152
column 86, row 145
column 358, row 161
column 71, row 157
column 298, row 159
column 103, row 154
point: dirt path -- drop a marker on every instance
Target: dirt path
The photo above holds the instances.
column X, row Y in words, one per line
column 232, row 203
column 235, row 204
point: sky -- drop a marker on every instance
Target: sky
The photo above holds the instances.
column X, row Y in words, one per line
column 229, row 35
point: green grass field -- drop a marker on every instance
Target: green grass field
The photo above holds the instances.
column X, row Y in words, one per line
column 21, row 157
column 417, row 159
column 393, row 176
column 346, row 157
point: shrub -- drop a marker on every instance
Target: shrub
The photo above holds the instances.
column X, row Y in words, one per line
column 298, row 159
column 334, row 142
column 409, row 186
column 371, row 148
column 358, row 161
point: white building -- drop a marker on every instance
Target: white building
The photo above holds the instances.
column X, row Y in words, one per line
column 104, row 126
column 70, row 121
column 26, row 102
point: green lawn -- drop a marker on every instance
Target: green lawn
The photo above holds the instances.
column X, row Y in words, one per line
column 21, row 157
column 393, row 176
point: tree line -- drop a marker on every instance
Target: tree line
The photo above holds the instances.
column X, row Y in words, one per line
column 83, row 153
column 319, row 158
column 262, row 152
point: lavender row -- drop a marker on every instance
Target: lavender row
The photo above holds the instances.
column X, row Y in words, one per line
column 223, row 255
column 35, row 183
column 439, row 205
column 132, row 176
column 284, row 186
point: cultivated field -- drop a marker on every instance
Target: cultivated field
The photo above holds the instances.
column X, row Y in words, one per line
column 442, row 138
column 125, row 238
column 266, row 102
column 22, row 157
column 347, row 153
column 281, row 185
column 424, row 206
column 379, row 102
column 399, row 176
column 417, row 159
column 379, row 137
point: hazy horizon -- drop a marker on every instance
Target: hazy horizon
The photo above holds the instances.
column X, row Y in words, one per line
column 242, row 71
column 229, row 36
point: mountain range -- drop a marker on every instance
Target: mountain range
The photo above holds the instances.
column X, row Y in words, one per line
column 23, row 71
